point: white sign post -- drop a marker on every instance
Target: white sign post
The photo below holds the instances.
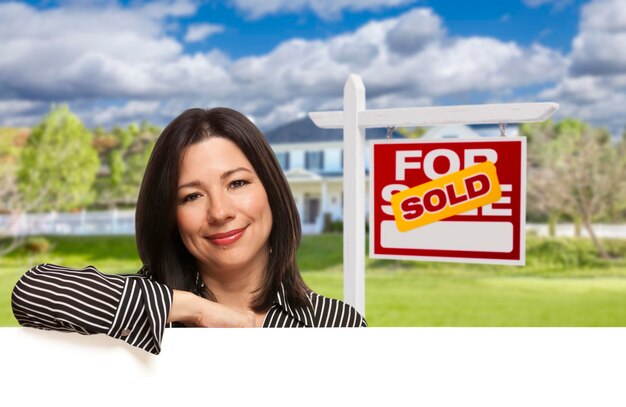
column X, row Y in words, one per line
column 354, row 119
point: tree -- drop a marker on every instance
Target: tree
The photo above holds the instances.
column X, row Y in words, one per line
column 60, row 162
column 575, row 169
column 618, row 211
column 124, row 153
column 9, row 198
column 542, row 197
column 12, row 204
column 415, row 132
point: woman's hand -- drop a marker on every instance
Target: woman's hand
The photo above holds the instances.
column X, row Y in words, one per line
column 193, row 310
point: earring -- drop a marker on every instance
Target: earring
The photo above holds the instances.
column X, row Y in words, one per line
column 199, row 281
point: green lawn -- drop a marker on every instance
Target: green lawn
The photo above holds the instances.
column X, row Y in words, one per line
column 563, row 283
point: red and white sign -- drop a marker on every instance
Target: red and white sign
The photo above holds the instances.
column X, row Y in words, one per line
column 492, row 234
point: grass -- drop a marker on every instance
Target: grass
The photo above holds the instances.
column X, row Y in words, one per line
column 563, row 283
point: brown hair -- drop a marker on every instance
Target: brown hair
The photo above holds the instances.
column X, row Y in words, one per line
column 158, row 241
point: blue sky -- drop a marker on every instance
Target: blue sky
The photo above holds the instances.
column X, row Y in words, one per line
column 115, row 62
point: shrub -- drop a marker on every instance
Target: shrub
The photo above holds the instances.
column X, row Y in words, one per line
column 335, row 226
column 563, row 252
column 37, row 245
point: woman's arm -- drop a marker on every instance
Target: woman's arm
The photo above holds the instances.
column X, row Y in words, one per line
column 192, row 310
column 131, row 308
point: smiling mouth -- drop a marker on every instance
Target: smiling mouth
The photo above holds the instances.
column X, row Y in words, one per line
column 224, row 239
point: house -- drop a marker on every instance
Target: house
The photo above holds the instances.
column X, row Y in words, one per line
column 312, row 159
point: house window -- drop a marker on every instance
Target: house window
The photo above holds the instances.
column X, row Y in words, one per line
column 314, row 160
column 283, row 159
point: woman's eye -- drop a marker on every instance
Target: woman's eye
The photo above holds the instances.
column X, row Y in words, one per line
column 191, row 197
column 237, row 184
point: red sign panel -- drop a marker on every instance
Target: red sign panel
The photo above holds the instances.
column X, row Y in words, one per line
column 493, row 233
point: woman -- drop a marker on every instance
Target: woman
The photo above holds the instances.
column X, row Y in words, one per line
column 217, row 231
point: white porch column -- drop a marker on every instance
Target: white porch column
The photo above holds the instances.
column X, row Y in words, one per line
column 324, row 205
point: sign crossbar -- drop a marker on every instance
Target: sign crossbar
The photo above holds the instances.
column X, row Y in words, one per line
column 442, row 115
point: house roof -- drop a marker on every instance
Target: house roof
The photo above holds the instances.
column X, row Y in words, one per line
column 304, row 130
column 299, row 174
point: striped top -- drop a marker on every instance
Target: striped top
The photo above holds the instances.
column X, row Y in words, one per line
column 134, row 308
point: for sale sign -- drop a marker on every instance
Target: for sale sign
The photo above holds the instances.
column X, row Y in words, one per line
column 456, row 200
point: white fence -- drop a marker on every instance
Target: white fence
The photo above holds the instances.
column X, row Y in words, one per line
column 569, row 230
column 84, row 223
column 118, row 222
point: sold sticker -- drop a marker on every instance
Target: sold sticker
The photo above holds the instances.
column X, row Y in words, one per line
column 446, row 196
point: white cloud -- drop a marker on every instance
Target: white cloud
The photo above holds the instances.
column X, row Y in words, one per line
column 597, row 99
column 115, row 53
column 606, row 109
column 314, row 72
column 599, row 53
column 168, row 8
column 581, row 90
column 595, row 87
column 125, row 113
column 600, row 46
column 536, row 3
column 295, row 77
column 414, row 30
column 80, row 52
column 17, row 107
column 17, row 113
column 200, row 32
column 326, row 9
column 284, row 113
column 558, row 4
column 603, row 15
column 474, row 64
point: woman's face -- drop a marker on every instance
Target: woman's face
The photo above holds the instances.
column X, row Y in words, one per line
column 223, row 214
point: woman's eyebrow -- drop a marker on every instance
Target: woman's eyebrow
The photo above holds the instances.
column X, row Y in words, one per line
column 226, row 174
column 231, row 172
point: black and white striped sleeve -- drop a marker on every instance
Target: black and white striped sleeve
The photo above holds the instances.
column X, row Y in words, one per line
column 131, row 308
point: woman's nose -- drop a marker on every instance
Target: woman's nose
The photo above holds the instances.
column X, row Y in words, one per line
column 220, row 209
